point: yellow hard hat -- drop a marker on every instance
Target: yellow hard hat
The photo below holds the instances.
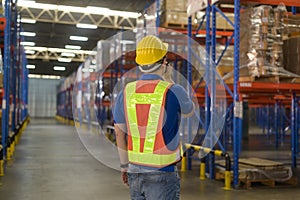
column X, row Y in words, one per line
column 150, row 50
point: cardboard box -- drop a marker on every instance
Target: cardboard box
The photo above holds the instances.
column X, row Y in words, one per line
column 175, row 5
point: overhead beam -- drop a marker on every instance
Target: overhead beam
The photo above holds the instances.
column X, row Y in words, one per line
column 44, row 53
column 54, row 14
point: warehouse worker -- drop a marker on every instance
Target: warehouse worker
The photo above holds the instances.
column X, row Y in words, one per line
column 147, row 116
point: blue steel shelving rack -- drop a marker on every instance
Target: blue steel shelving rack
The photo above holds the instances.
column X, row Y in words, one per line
column 237, row 118
column 211, row 53
column 295, row 128
column 6, row 75
column 15, row 78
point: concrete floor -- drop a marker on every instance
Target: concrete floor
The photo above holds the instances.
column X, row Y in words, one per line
column 50, row 163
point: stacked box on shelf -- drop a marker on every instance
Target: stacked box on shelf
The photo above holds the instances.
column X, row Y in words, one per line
column 221, row 22
column 292, row 54
column 172, row 14
column 265, row 40
column 292, row 44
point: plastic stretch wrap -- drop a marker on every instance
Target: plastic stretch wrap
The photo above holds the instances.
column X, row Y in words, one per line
column 265, row 41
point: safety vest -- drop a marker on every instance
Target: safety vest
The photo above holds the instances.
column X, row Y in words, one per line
column 144, row 102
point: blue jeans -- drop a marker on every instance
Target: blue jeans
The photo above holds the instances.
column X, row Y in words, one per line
column 154, row 185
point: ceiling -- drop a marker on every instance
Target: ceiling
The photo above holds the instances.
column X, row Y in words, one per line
column 54, row 28
column 55, row 34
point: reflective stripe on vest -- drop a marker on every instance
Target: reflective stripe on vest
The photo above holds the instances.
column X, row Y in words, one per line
column 156, row 101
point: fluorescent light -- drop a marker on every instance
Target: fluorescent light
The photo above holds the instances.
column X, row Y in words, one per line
column 34, row 76
column 30, row 66
column 93, row 9
column 78, row 38
column 29, row 34
column 70, row 8
column 27, row 43
column 123, row 14
column 30, row 52
column 28, row 21
column 59, row 68
column 86, row 10
column 127, row 42
column 66, row 54
column 33, row 4
column 109, row 12
column 67, row 60
column 72, row 47
column 43, row 76
column 87, row 26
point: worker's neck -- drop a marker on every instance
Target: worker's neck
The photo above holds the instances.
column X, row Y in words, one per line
column 158, row 72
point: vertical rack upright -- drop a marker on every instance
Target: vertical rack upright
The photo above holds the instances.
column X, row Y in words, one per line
column 237, row 100
column 6, row 75
column 15, row 80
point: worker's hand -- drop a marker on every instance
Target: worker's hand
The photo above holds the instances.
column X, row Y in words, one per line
column 124, row 176
column 168, row 74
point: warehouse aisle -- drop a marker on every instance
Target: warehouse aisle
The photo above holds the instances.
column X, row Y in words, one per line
column 50, row 163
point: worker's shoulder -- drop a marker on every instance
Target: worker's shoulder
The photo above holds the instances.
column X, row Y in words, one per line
column 177, row 89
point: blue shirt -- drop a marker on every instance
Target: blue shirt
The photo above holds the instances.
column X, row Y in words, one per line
column 177, row 102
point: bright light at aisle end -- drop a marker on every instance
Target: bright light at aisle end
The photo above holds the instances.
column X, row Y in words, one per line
column 43, row 76
column 59, row 68
column 28, row 21
column 87, row 26
column 72, row 47
column 79, row 38
column 27, row 43
column 67, row 60
column 28, row 34
column 30, row 66
column 66, row 54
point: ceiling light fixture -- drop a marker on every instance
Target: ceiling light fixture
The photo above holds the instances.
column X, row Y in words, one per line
column 86, row 10
column 30, row 52
column 29, row 34
column 123, row 14
column 28, row 21
column 43, row 76
column 127, row 42
column 27, row 43
column 33, row 4
column 79, row 38
column 72, row 47
column 93, row 9
column 59, row 68
column 86, row 26
column 67, row 60
column 67, row 54
column 30, row 66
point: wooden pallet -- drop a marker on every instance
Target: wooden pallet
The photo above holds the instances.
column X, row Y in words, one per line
column 247, row 184
column 174, row 25
column 249, row 174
